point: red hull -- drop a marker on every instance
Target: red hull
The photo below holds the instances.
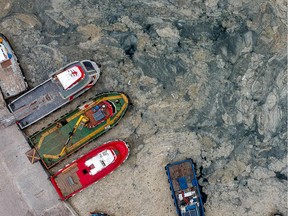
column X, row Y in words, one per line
column 76, row 168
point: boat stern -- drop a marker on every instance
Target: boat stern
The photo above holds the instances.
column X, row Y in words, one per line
column 62, row 197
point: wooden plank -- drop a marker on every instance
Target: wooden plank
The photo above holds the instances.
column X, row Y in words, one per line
column 32, row 155
column 64, row 180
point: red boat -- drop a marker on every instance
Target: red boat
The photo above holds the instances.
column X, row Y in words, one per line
column 89, row 168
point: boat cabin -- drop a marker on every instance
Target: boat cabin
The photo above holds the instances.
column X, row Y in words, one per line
column 70, row 77
column 100, row 161
column 99, row 113
column 186, row 193
column 4, row 55
column 188, row 200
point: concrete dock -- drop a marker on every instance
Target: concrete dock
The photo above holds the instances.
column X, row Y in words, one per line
column 25, row 189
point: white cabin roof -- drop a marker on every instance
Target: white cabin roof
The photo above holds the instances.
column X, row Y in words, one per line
column 71, row 76
column 100, row 161
column 3, row 53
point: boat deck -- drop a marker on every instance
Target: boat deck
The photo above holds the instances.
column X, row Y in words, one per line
column 40, row 101
column 191, row 213
column 48, row 147
column 180, row 171
column 99, row 115
column 68, row 180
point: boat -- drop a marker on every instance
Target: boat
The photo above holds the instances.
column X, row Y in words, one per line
column 62, row 86
column 77, row 128
column 185, row 188
column 89, row 168
column 12, row 81
column 98, row 214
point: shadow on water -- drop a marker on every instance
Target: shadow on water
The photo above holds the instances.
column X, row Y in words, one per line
column 204, row 195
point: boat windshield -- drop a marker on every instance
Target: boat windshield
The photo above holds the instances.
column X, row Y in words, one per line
column 88, row 66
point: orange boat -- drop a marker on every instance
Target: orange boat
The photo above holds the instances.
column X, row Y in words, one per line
column 90, row 168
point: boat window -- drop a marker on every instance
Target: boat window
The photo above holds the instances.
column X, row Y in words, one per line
column 103, row 163
column 88, row 66
column 113, row 106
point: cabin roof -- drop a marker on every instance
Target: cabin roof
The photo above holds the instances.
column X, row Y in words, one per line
column 71, row 76
column 100, row 161
column 3, row 53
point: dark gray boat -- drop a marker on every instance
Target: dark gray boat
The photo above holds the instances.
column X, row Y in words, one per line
column 62, row 86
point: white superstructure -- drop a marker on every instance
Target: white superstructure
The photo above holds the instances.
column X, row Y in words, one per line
column 100, row 161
